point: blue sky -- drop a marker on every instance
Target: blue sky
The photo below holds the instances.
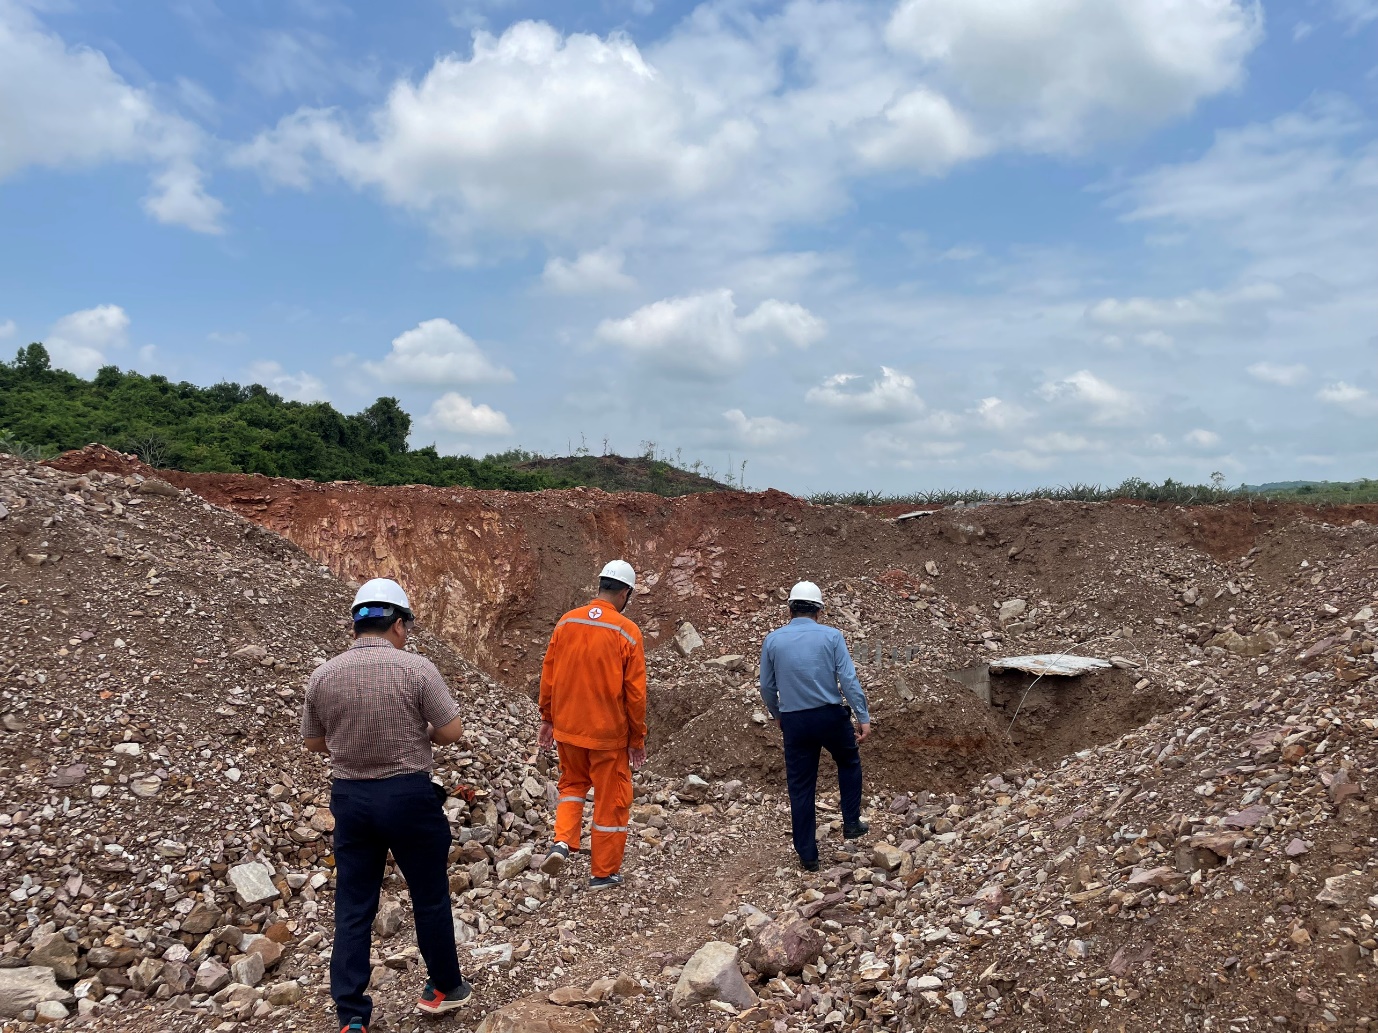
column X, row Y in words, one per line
column 891, row 246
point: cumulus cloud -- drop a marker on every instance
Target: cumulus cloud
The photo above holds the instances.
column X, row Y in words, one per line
column 920, row 130
column 459, row 415
column 1048, row 73
column 1059, row 441
column 534, row 132
column 1000, row 415
column 64, row 108
column 439, row 354
column 760, row 431
column 1346, row 396
column 294, row 387
column 783, row 322
column 744, row 122
column 7, row 329
column 1282, row 374
column 702, row 335
column 590, row 272
column 891, row 398
column 1200, row 438
column 1103, row 402
column 79, row 341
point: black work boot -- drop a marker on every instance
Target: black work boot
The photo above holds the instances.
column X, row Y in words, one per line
column 855, row 831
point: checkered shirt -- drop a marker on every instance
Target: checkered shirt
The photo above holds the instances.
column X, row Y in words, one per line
column 371, row 704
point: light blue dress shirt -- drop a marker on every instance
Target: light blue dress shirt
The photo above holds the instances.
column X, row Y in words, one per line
column 805, row 665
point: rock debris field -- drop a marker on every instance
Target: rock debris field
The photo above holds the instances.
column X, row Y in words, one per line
column 1184, row 840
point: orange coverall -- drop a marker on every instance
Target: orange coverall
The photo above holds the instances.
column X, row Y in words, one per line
column 593, row 690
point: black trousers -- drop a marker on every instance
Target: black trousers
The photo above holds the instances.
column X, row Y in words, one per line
column 806, row 734
column 401, row 814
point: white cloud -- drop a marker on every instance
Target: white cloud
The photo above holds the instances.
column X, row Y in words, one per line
column 1000, row 415
column 65, row 107
column 535, row 132
column 733, row 123
column 7, row 329
column 1277, row 373
column 438, row 354
column 1105, row 402
column 457, row 414
column 1201, row 438
column 702, row 335
column 783, row 322
column 1048, row 73
column 920, row 130
column 1344, row 395
column 79, row 341
column 760, row 431
column 1195, row 309
column 294, row 387
column 592, row 271
column 890, row 398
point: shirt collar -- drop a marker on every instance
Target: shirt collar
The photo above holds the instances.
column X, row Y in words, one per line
column 368, row 641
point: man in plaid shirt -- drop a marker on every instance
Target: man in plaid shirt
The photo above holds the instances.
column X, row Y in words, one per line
column 376, row 710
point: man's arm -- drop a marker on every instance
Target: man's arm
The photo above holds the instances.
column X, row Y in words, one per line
column 439, row 708
column 312, row 732
column 446, row 734
column 851, row 685
column 546, row 737
column 770, row 692
column 634, row 701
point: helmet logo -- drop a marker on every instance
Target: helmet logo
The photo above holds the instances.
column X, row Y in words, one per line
column 595, row 612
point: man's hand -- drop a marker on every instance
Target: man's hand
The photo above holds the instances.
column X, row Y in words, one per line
column 316, row 744
column 546, row 738
column 865, row 731
column 636, row 756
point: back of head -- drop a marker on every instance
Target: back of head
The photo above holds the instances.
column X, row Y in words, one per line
column 378, row 605
column 805, row 599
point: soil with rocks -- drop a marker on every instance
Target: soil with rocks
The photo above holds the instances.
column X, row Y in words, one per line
column 1038, row 861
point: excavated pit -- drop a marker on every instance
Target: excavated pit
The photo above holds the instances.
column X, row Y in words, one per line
column 491, row 571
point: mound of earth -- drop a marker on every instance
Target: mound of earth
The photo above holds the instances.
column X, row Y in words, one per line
column 623, row 473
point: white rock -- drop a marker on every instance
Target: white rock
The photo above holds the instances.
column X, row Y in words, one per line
column 252, row 883
column 712, row 975
column 25, row 988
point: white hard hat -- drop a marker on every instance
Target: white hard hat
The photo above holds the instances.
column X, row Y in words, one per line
column 806, row 592
column 382, row 591
column 620, row 570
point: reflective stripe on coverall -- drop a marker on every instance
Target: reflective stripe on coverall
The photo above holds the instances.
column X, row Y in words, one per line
column 593, row 690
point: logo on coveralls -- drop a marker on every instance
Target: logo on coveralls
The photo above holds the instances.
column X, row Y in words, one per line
column 595, row 612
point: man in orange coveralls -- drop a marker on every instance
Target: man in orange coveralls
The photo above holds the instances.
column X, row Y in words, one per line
column 593, row 705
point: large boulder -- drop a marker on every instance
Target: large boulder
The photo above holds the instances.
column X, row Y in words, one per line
column 686, row 640
column 712, row 975
column 55, row 951
column 535, row 1015
column 784, row 947
column 25, row 988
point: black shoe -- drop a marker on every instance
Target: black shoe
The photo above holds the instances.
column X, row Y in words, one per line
column 855, row 831
column 433, row 1002
column 555, row 860
column 606, row 882
column 809, row 866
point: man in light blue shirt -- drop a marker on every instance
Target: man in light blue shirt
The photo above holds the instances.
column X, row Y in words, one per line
column 806, row 672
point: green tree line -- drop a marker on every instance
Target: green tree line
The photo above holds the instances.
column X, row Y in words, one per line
column 229, row 428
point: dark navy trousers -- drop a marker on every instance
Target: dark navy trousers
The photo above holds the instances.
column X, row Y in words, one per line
column 806, row 734
column 401, row 814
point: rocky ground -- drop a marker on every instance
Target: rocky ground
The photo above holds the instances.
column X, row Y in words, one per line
column 1185, row 840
